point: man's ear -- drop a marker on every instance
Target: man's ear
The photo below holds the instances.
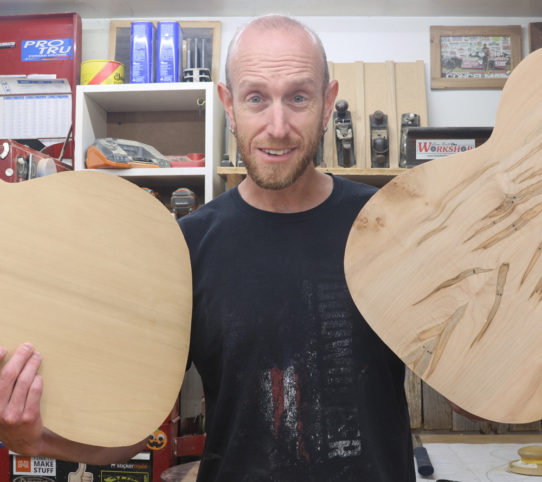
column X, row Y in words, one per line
column 227, row 101
column 329, row 100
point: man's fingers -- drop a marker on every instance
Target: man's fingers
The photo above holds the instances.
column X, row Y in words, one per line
column 25, row 381
column 11, row 370
column 33, row 400
column 17, row 376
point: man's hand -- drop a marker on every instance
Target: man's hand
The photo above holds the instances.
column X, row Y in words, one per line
column 21, row 428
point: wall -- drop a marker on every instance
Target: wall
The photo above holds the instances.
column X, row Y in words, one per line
column 377, row 39
column 370, row 39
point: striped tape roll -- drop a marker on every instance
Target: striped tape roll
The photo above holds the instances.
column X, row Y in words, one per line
column 95, row 72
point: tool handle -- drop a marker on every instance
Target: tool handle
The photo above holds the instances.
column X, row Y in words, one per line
column 422, row 460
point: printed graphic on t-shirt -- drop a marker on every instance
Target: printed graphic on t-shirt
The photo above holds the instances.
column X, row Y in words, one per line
column 320, row 420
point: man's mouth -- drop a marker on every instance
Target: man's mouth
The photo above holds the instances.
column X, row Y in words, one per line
column 277, row 152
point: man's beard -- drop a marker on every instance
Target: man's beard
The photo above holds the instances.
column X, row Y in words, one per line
column 282, row 175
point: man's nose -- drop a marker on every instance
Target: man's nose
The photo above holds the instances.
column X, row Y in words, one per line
column 277, row 122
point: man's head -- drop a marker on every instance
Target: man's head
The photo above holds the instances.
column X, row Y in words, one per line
column 280, row 24
column 278, row 98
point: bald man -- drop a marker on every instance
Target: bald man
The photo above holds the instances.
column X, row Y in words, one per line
column 297, row 386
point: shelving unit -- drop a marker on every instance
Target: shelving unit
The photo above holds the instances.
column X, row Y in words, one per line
column 175, row 118
column 375, row 177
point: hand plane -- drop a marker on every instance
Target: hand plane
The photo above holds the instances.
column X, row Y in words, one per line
column 380, row 145
column 344, row 134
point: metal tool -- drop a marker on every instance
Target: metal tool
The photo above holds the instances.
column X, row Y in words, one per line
column 110, row 152
column 408, row 120
column 344, row 134
column 380, row 145
column 20, row 162
column 319, row 157
column 425, row 467
column 183, row 202
column 198, row 72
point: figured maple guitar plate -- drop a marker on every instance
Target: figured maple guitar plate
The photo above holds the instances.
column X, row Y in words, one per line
column 445, row 263
column 96, row 274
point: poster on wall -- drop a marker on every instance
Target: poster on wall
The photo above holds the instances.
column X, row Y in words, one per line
column 473, row 57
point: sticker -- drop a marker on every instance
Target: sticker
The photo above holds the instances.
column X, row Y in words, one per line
column 32, row 478
column 52, row 49
column 116, row 476
column 5, row 150
column 7, row 45
column 157, row 441
column 34, row 466
column 428, row 149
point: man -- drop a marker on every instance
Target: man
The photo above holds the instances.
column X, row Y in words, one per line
column 297, row 386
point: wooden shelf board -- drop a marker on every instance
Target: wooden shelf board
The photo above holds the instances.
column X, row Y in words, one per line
column 375, row 176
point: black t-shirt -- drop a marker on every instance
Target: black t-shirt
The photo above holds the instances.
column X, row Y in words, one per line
column 297, row 385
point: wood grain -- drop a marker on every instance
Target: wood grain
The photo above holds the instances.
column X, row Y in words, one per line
column 444, row 263
column 96, row 274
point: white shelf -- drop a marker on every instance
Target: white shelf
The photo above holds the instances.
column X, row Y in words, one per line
column 157, row 172
column 146, row 97
column 95, row 102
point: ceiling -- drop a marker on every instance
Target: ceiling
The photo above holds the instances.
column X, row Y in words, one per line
column 244, row 8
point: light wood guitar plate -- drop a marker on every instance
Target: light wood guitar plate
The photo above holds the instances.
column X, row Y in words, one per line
column 96, row 274
column 445, row 263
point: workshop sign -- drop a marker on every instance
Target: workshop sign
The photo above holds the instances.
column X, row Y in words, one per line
column 428, row 149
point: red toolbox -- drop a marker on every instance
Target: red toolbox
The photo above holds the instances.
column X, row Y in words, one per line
column 42, row 44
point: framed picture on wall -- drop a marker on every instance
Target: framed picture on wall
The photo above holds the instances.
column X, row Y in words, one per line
column 473, row 57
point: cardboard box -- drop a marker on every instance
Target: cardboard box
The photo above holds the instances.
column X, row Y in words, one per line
column 41, row 469
column 142, row 52
column 169, row 38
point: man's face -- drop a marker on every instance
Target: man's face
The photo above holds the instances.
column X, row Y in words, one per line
column 277, row 104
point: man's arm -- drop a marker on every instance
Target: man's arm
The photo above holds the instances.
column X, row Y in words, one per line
column 21, row 427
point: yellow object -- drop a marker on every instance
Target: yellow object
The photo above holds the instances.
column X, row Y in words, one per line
column 95, row 72
column 530, row 462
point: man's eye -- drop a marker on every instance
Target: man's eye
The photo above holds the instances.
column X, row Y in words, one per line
column 299, row 98
column 255, row 99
